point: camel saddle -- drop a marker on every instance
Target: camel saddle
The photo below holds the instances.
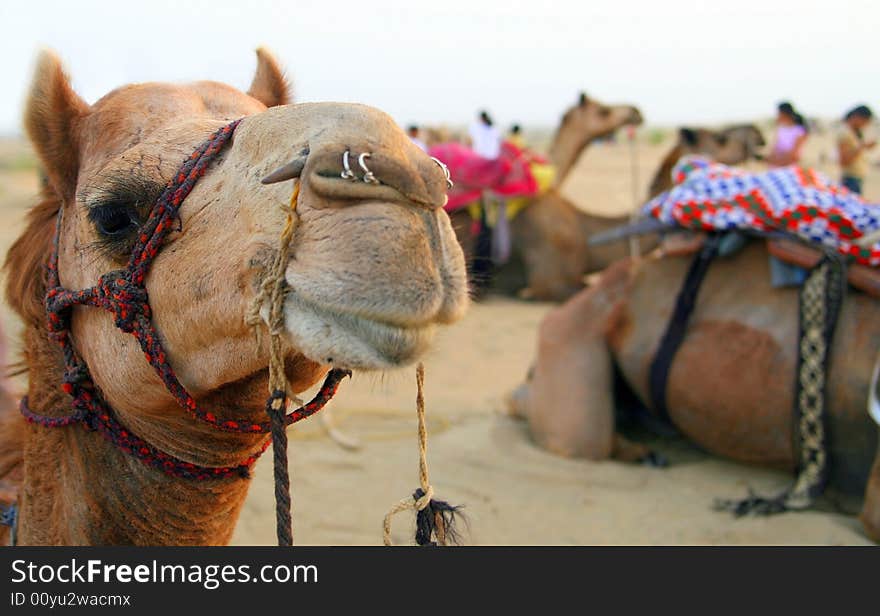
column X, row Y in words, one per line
column 793, row 252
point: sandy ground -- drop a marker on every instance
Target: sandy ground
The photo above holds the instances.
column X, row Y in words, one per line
column 513, row 492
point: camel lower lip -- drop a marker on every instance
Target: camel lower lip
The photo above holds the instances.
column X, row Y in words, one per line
column 351, row 341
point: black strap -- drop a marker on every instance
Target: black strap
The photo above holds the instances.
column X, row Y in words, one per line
column 678, row 324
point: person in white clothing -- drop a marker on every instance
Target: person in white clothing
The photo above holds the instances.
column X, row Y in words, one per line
column 413, row 132
column 485, row 138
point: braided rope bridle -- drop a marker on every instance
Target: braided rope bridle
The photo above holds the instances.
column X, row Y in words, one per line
column 123, row 292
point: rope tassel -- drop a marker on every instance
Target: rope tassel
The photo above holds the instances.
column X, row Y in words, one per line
column 435, row 519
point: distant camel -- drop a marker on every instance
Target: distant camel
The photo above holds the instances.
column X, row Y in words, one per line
column 551, row 233
column 730, row 146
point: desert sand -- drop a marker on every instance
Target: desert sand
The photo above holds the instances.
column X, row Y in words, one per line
column 512, row 492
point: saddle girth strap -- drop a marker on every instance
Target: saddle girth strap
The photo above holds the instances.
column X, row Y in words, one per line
column 676, row 330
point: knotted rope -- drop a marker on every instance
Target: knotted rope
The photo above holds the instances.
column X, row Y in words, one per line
column 433, row 518
column 273, row 289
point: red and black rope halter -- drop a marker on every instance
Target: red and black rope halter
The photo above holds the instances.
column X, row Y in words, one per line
column 123, row 293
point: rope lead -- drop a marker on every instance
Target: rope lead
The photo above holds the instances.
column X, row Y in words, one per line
column 434, row 518
column 273, row 289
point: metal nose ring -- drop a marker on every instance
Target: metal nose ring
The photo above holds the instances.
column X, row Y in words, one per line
column 369, row 178
column 445, row 169
column 347, row 173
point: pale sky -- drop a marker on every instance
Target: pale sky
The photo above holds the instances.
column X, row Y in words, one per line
column 441, row 60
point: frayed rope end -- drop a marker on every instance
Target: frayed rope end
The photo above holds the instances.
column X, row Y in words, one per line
column 436, row 524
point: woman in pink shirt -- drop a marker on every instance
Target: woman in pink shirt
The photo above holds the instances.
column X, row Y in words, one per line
column 791, row 133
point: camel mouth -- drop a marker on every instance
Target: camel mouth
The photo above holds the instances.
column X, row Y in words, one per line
column 369, row 283
column 347, row 340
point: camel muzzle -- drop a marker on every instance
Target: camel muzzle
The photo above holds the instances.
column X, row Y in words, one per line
column 635, row 117
column 342, row 154
column 369, row 204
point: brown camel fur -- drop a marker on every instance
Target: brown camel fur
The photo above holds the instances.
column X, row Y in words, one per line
column 731, row 146
column 730, row 386
column 551, row 233
column 374, row 268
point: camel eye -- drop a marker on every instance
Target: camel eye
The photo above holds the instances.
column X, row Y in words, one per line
column 605, row 112
column 114, row 220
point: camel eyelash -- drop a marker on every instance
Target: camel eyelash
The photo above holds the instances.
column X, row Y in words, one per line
column 135, row 190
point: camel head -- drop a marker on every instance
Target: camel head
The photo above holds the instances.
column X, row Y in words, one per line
column 731, row 146
column 584, row 122
column 374, row 265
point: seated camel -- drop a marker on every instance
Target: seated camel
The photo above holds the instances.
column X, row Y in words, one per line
column 373, row 267
column 549, row 234
column 729, row 388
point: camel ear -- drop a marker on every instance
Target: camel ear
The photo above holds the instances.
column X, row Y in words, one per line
column 688, row 136
column 582, row 99
column 757, row 136
column 52, row 113
column 269, row 85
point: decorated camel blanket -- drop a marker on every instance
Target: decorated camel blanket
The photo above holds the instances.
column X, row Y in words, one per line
column 804, row 202
column 510, row 175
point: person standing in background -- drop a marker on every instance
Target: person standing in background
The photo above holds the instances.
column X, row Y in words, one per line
column 791, row 133
column 485, row 138
column 516, row 138
column 413, row 132
column 851, row 148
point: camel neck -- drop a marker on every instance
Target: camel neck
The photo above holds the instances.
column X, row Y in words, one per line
column 81, row 489
column 663, row 178
column 565, row 150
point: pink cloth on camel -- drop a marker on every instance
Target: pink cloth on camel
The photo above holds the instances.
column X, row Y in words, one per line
column 508, row 175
